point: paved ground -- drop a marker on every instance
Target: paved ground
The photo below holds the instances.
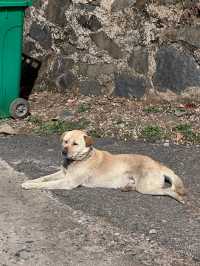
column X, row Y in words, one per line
column 95, row 226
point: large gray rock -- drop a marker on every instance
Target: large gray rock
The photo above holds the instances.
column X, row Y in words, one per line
column 56, row 11
column 118, row 5
column 88, row 7
column 92, row 23
column 175, row 70
column 139, row 60
column 129, row 86
column 41, row 34
column 66, row 81
column 105, row 43
column 28, row 47
column 90, row 87
column 189, row 34
column 95, row 70
column 140, row 4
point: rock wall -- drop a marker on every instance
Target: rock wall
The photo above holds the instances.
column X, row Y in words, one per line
column 131, row 48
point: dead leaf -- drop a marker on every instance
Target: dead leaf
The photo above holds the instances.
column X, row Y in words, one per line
column 7, row 130
column 189, row 105
column 179, row 137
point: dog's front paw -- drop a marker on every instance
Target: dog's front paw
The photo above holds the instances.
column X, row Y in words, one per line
column 27, row 185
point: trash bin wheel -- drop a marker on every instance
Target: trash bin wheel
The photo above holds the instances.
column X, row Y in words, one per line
column 19, row 108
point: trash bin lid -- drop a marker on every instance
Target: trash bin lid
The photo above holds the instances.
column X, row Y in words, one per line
column 7, row 3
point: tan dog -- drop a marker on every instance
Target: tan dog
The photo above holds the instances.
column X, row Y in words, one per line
column 86, row 166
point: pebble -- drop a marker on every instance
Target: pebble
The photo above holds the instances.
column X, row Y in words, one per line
column 153, row 231
column 166, row 144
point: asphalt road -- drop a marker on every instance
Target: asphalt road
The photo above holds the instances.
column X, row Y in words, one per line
column 172, row 227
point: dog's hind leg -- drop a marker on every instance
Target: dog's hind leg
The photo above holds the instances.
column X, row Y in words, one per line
column 163, row 192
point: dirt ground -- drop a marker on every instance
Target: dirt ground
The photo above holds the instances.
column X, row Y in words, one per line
column 116, row 117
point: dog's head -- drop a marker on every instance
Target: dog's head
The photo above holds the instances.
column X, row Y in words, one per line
column 76, row 144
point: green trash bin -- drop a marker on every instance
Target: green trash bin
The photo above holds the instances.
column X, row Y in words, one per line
column 11, row 37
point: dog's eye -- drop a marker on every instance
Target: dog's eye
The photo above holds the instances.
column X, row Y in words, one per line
column 75, row 143
column 66, row 141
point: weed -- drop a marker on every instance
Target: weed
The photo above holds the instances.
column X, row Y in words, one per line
column 183, row 128
column 188, row 133
column 96, row 133
column 152, row 133
column 34, row 120
column 58, row 127
column 83, row 108
column 152, row 109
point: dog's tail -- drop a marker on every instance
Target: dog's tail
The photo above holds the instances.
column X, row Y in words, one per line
column 176, row 182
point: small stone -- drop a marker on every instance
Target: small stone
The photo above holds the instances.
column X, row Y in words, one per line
column 153, row 231
column 92, row 71
column 166, row 144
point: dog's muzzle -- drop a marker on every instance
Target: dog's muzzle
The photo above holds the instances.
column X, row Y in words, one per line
column 64, row 153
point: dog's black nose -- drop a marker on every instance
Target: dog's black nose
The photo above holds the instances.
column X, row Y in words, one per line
column 64, row 152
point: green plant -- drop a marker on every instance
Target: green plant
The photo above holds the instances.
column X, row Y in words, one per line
column 187, row 132
column 152, row 133
column 58, row 127
column 152, row 109
column 184, row 128
column 95, row 133
column 83, row 108
column 34, row 119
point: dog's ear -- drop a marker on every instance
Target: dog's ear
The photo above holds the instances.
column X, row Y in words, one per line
column 88, row 141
